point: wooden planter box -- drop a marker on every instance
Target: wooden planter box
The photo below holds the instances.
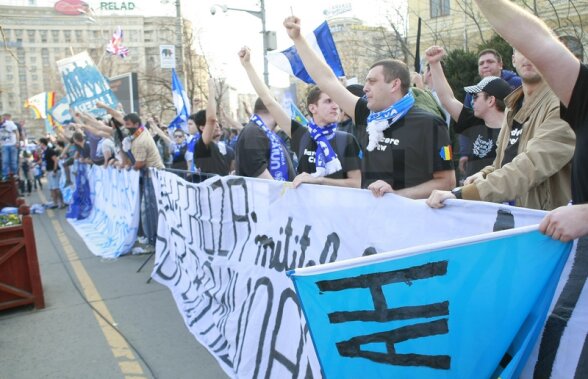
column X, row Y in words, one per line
column 8, row 193
column 20, row 280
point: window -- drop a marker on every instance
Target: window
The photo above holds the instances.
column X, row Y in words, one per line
column 43, row 36
column 67, row 35
column 439, row 8
column 31, row 34
column 78, row 36
column 55, row 35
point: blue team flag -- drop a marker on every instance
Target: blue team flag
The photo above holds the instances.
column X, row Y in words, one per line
column 321, row 41
column 297, row 115
column 181, row 104
column 470, row 308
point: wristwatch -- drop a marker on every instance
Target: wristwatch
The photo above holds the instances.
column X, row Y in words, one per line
column 457, row 192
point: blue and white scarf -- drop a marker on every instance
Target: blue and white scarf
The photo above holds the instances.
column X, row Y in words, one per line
column 192, row 150
column 377, row 122
column 278, row 165
column 326, row 159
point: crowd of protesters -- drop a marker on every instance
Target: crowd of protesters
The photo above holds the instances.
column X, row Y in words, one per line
column 396, row 138
column 525, row 133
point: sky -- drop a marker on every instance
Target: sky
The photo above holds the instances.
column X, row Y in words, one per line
column 223, row 34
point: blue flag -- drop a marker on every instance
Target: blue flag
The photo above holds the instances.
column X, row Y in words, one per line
column 181, row 104
column 470, row 308
column 321, row 41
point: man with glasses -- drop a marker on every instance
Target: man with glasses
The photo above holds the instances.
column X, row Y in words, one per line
column 535, row 146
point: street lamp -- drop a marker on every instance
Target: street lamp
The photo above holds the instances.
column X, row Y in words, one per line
column 269, row 38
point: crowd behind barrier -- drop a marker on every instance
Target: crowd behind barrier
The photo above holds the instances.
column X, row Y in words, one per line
column 223, row 244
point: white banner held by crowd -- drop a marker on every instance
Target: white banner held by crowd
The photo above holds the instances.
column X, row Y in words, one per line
column 225, row 245
column 111, row 228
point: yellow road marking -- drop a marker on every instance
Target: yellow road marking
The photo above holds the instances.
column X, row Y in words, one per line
column 122, row 352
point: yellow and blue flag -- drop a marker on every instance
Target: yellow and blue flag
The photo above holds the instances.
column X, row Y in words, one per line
column 446, row 153
column 297, row 115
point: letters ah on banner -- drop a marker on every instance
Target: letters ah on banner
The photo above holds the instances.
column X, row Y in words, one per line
column 224, row 247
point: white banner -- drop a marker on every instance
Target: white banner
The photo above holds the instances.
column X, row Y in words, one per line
column 167, row 56
column 225, row 245
column 111, row 228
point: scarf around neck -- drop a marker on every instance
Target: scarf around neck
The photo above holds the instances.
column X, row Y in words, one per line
column 377, row 122
column 326, row 160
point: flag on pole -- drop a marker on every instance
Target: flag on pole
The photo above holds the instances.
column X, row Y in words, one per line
column 297, row 115
column 181, row 104
column 115, row 46
column 321, row 41
column 417, row 54
column 40, row 103
column 470, row 308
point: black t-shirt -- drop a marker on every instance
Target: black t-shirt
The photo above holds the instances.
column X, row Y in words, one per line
column 179, row 156
column 252, row 155
column 306, row 162
column 512, row 148
column 577, row 116
column 413, row 148
column 84, row 151
column 48, row 155
column 214, row 158
column 483, row 146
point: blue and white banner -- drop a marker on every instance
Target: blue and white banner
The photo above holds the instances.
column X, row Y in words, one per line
column 470, row 308
column 110, row 230
column 321, row 41
column 224, row 247
column 181, row 104
column 85, row 85
column 60, row 112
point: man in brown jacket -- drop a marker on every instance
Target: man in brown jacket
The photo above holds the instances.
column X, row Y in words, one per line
column 535, row 146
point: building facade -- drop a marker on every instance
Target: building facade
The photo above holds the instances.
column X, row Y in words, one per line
column 360, row 45
column 458, row 24
column 37, row 37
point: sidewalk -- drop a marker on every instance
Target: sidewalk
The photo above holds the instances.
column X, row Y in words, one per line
column 68, row 339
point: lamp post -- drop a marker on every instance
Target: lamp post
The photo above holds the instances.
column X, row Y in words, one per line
column 265, row 34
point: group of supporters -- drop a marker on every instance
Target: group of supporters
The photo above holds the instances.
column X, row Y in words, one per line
column 520, row 133
column 524, row 136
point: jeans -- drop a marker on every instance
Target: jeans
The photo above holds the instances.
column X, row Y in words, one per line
column 9, row 160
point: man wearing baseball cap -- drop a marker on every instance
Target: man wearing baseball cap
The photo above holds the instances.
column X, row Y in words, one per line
column 480, row 123
column 534, row 147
